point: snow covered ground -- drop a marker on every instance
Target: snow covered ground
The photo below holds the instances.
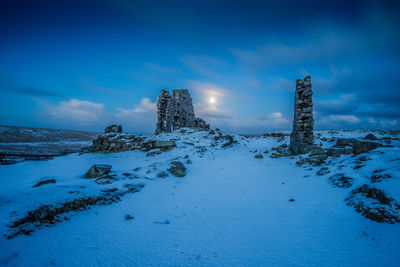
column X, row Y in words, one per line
column 230, row 209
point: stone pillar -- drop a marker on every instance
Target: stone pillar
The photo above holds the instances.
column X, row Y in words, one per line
column 162, row 112
column 302, row 136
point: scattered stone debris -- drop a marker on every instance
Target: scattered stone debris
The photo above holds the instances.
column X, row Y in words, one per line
column 380, row 177
column 45, row 181
column 106, row 179
column 374, row 204
column 98, row 170
column 258, row 156
column 230, row 141
column 176, row 111
column 302, row 136
column 323, row 171
column 313, row 160
column 177, row 169
column 341, row 181
column 50, row 214
column 113, row 129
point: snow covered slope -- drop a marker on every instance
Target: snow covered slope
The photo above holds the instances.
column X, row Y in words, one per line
column 231, row 208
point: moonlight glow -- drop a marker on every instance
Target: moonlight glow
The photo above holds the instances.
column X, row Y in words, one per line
column 211, row 100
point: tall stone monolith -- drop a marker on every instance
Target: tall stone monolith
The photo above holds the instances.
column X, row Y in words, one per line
column 302, row 136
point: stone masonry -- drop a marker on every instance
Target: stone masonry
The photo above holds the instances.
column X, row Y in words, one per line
column 302, row 136
column 176, row 111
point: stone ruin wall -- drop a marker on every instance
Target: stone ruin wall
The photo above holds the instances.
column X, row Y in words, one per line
column 176, row 111
column 302, row 136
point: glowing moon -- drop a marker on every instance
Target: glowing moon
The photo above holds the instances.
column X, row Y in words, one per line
column 212, row 100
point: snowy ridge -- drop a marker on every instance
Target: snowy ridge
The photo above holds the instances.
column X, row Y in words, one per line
column 231, row 208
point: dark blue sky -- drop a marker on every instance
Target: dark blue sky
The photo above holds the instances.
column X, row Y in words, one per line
column 85, row 64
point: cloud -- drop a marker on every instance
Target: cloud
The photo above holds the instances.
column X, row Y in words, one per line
column 141, row 118
column 11, row 85
column 205, row 65
column 159, row 68
column 77, row 112
column 324, row 48
column 345, row 118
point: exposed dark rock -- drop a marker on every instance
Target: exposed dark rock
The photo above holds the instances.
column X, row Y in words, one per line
column 162, row 174
column 98, row 170
column 380, row 177
column 341, row 181
column 364, row 146
column 45, row 181
column 106, row 179
column 230, row 141
column 302, row 136
column 358, row 167
column 177, row 169
column 153, row 153
column 258, row 156
column 323, row 171
column 129, row 217
column 113, row 129
column 374, row 204
column 51, row 214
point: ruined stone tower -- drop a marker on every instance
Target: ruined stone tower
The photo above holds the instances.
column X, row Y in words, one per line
column 176, row 111
column 302, row 136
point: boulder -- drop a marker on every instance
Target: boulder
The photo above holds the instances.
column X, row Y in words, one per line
column 342, row 142
column 165, row 145
column 364, row 146
column 370, row 137
column 177, row 169
column 98, row 170
column 113, row 129
column 258, row 156
column 317, row 151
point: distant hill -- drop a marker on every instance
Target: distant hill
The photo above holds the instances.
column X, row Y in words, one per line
column 26, row 143
column 14, row 134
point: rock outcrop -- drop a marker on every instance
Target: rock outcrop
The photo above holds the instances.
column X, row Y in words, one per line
column 176, row 111
column 302, row 136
